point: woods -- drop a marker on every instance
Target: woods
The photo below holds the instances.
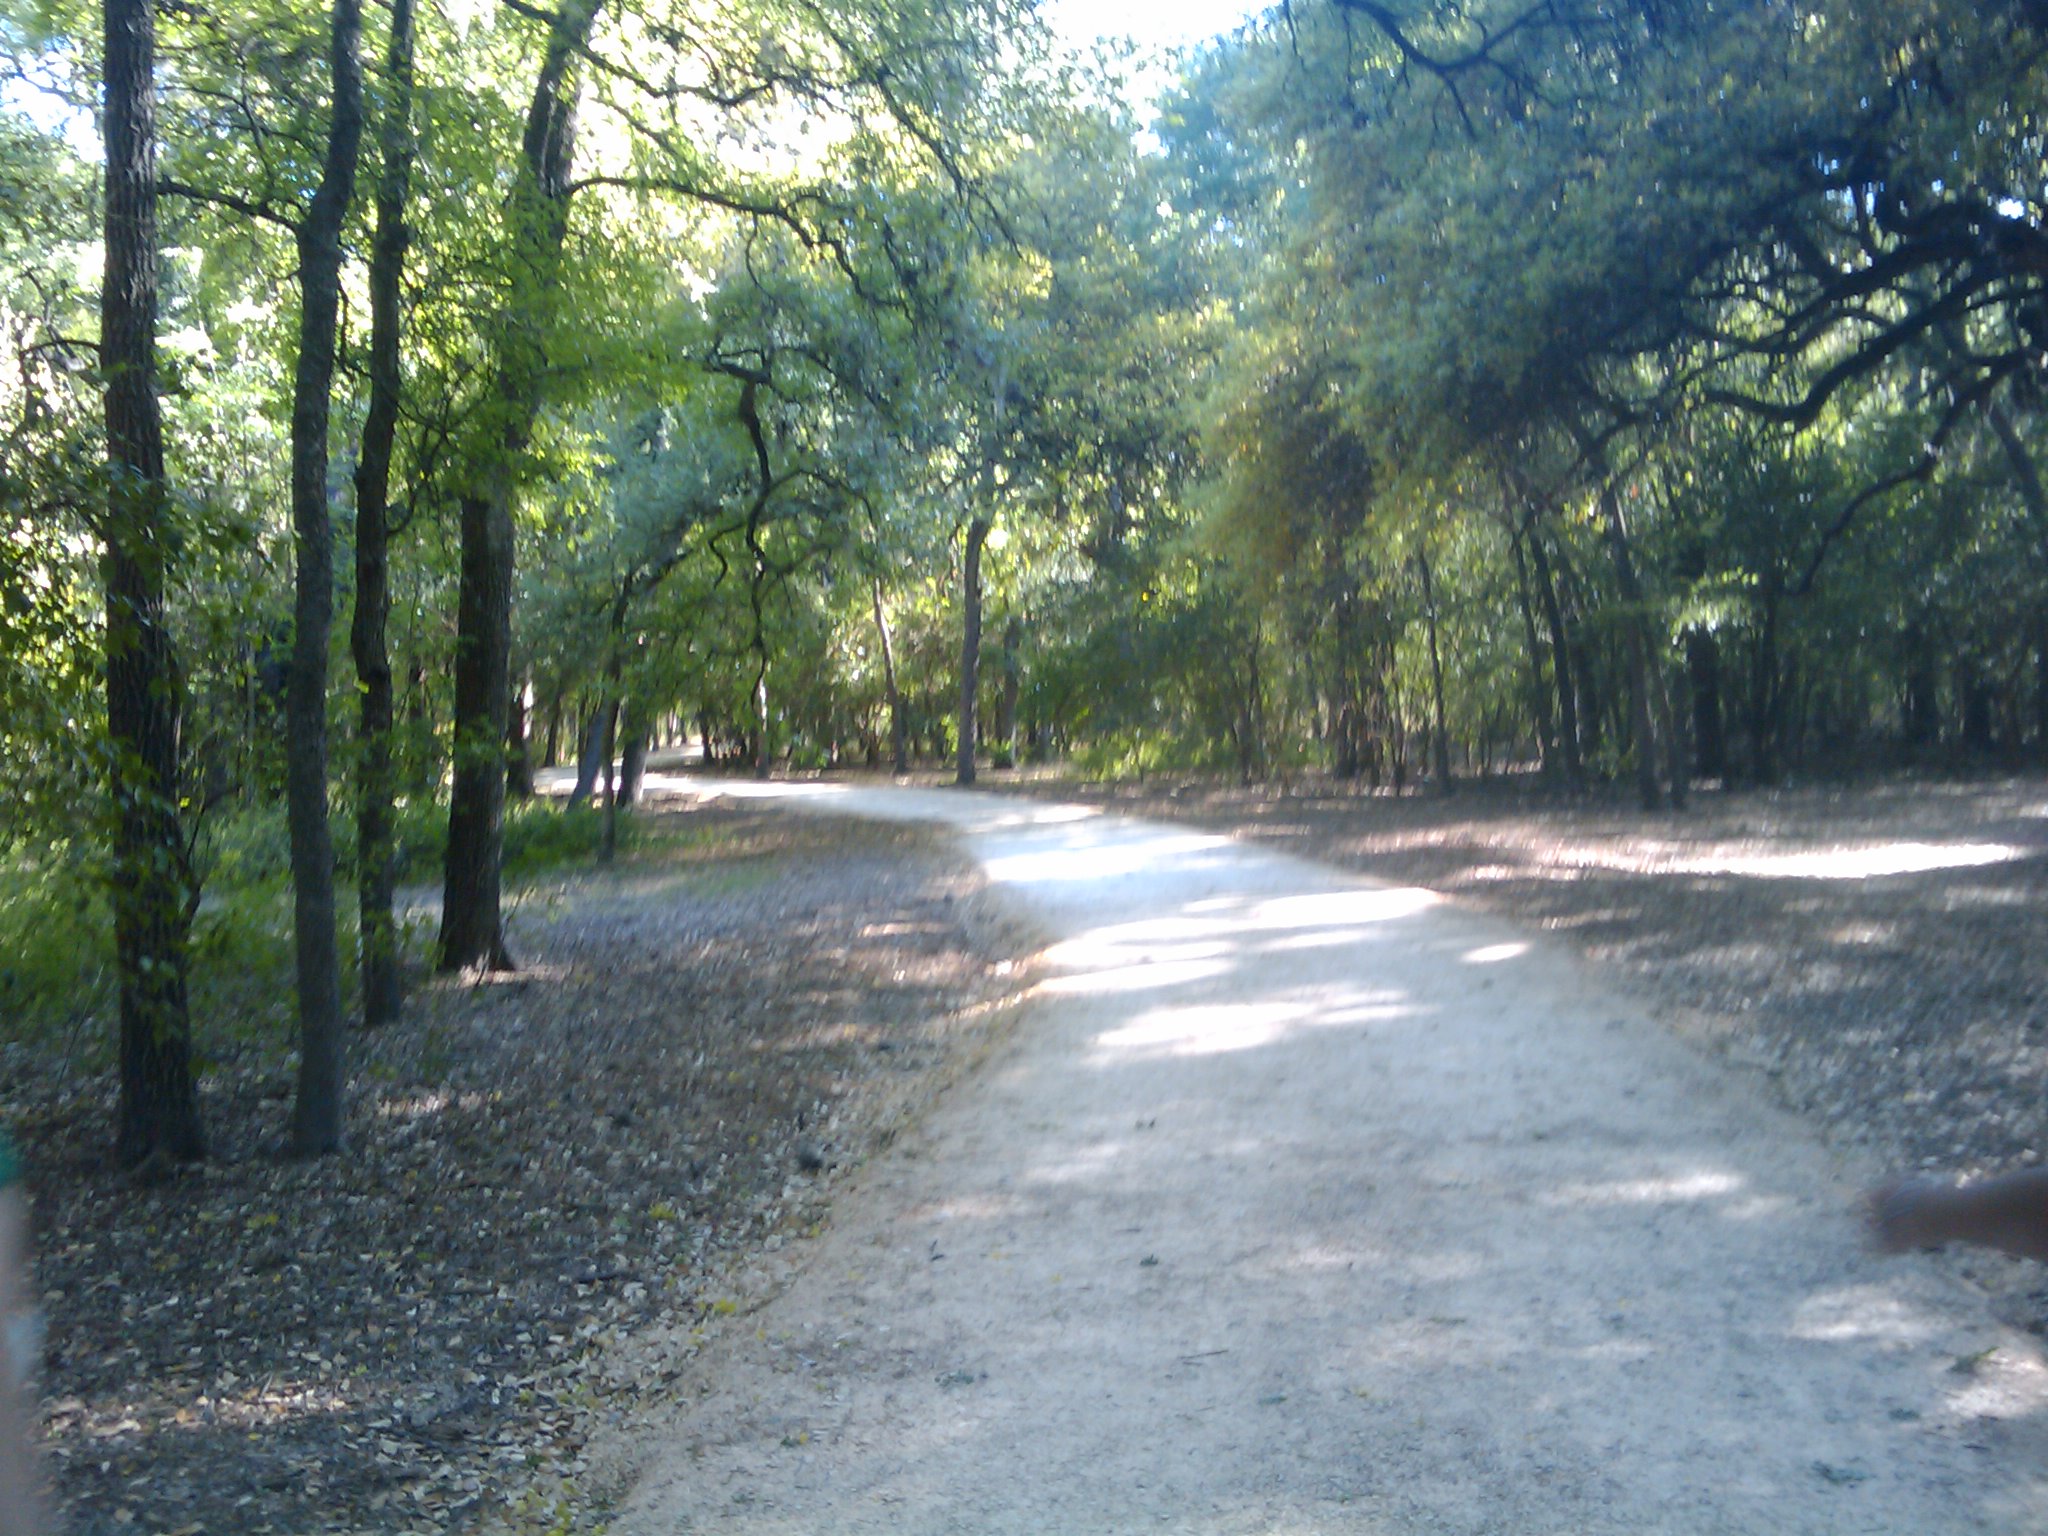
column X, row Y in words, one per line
column 1644, row 395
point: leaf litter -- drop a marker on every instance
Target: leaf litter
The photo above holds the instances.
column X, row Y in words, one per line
column 624, row 1140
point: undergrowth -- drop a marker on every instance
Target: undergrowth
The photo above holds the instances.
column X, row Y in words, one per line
column 57, row 983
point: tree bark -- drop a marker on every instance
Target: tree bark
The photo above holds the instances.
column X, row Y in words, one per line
column 970, row 648
column 899, row 725
column 633, row 755
column 1441, row 748
column 1539, row 687
column 1637, row 648
column 1563, row 667
column 518, row 743
column 150, row 880
column 383, row 981
column 1709, row 732
column 590, row 758
column 1013, row 684
column 318, row 1114
column 472, row 927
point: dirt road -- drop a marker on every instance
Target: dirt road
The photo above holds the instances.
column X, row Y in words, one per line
column 1303, row 1205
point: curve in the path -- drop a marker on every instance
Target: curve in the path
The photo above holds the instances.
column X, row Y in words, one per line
column 1306, row 1205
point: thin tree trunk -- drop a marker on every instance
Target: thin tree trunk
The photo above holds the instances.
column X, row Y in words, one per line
column 970, row 648
column 472, row 927
column 150, row 880
column 978, row 529
column 1013, row 683
column 1710, row 735
column 319, row 1112
column 518, row 743
column 608, row 844
column 383, row 981
column 899, row 725
column 633, row 755
column 1563, row 666
column 1637, row 647
column 1441, row 747
column 1539, row 687
column 590, row 758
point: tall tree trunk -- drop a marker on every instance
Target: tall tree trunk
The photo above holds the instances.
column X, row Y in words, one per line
column 551, row 753
column 1563, row 666
column 633, row 754
column 518, row 743
column 978, row 529
column 472, row 927
column 383, row 981
column 899, row 724
column 1709, row 732
column 150, row 882
column 1441, row 747
column 970, row 647
column 1539, row 686
column 318, row 1115
column 608, row 843
column 590, row 760
column 1013, row 683
column 1637, row 647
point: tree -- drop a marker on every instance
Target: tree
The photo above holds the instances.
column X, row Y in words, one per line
column 150, row 879
column 318, row 1114
column 383, row 982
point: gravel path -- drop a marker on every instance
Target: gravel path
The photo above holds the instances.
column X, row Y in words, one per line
column 1303, row 1204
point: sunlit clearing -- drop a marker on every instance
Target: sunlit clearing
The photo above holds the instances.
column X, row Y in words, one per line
column 1494, row 954
column 1862, row 1312
column 1338, row 908
column 1106, row 861
column 1215, row 1029
column 1673, row 1191
column 2004, row 1385
column 1141, row 977
column 1852, row 863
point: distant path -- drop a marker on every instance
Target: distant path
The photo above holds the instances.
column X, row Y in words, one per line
column 1308, row 1206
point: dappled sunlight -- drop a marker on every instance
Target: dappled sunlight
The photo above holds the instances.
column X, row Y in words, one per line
column 1203, row 1031
column 1084, row 1165
column 1209, row 1029
column 1850, row 863
column 1678, row 1189
column 982, row 1206
column 420, row 1106
column 2004, row 1384
column 1142, row 976
column 1495, row 954
column 1863, row 1314
column 1098, row 861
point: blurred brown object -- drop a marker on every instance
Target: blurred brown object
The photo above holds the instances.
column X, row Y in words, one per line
column 2008, row 1212
column 21, row 1493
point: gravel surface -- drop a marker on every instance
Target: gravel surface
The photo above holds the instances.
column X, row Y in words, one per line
column 1877, row 951
column 1880, row 951
column 1308, row 1204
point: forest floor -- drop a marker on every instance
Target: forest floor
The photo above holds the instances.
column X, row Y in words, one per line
column 418, row 1336
column 433, row 1333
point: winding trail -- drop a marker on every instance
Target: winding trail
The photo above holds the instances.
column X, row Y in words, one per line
column 1304, row 1205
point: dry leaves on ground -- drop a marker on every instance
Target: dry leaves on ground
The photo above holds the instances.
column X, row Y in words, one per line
column 424, row 1334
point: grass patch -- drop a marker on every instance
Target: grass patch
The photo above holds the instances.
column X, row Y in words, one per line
column 57, row 985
